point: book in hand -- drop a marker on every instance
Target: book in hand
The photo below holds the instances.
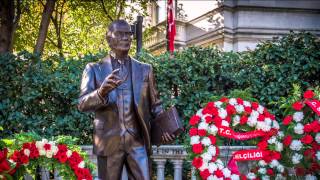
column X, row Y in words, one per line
column 168, row 121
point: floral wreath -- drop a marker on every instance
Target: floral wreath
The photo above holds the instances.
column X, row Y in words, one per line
column 302, row 141
column 31, row 151
column 214, row 120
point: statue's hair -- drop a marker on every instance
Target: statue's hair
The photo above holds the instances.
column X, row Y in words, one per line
column 114, row 23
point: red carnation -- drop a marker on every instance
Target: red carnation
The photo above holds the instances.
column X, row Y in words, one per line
column 254, row 105
column 276, row 155
column 193, row 131
column 230, row 109
column 243, row 177
column 224, row 99
column 261, row 117
column 217, row 120
column 300, row 171
column 297, row 106
column 243, row 120
column 308, row 128
column 205, row 174
column 194, row 120
column 307, row 139
column 209, row 119
column 309, row 153
column 315, row 167
column 315, row 126
column 308, row 94
column 24, row 159
column 202, row 132
column 197, row 162
column 287, row 120
column 239, row 101
column 197, row 148
column 247, row 109
column 212, row 139
column 262, row 145
column 270, row 172
column 218, row 173
column 287, row 140
column 47, row 147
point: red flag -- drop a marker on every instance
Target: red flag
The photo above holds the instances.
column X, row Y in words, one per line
column 171, row 25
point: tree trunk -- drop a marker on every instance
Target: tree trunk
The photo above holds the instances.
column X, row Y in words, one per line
column 6, row 25
column 44, row 25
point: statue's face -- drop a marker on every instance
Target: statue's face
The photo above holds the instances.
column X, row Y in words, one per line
column 120, row 38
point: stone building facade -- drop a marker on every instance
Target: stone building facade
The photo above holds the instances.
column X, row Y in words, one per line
column 231, row 25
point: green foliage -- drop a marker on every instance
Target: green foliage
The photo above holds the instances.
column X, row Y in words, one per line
column 41, row 95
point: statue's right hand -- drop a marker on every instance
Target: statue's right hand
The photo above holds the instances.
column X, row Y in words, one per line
column 110, row 82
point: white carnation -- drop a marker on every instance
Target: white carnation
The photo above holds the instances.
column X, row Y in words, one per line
column 318, row 155
column 260, row 109
column 236, row 120
column 212, row 167
column 69, row 153
column 279, row 146
column 252, row 121
column 263, row 126
column 239, row 108
column 42, row 152
column 296, row 145
column 195, row 140
column 226, row 172
column 212, row 150
column 26, row 152
column 265, row 177
column 211, row 177
column 213, row 129
column 219, row 163
column 218, row 104
column 255, row 113
column 317, row 138
column 233, row 101
column 251, row 176
column 199, row 113
column 274, row 163
column 206, row 141
column 262, row 163
column 275, row 125
column 298, row 116
column 225, row 123
column 49, row 154
column 206, row 156
column 204, row 166
column 298, row 129
column 262, row 171
column 268, row 121
column 280, row 177
column 235, row 177
column 81, row 164
column 296, row 158
column 203, row 125
column 280, row 168
column 272, row 140
column 54, row 149
column 246, row 103
column 280, row 134
column 310, row 177
column 222, row 113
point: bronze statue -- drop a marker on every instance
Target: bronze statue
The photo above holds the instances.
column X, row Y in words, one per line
column 122, row 93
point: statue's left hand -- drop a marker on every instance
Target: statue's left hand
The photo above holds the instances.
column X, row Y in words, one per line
column 166, row 137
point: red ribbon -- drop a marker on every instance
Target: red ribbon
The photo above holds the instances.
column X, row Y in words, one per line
column 245, row 155
column 229, row 133
column 315, row 105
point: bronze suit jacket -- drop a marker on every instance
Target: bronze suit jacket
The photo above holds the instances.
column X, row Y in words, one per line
column 106, row 129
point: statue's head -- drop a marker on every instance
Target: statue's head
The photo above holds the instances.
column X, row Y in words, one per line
column 119, row 36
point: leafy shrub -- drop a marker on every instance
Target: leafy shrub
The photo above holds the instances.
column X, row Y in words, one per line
column 41, row 95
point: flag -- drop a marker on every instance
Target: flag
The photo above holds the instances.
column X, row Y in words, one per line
column 171, row 26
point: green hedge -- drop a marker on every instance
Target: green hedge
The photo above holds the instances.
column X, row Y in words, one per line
column 41, row 95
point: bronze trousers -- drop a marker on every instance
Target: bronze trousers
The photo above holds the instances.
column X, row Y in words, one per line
column 132, row 154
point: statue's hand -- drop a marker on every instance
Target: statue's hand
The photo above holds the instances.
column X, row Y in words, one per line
column 110, row 82
column 166, row 137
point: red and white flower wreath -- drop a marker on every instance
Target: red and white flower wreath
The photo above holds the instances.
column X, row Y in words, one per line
column 33, row 150
column 214, row 120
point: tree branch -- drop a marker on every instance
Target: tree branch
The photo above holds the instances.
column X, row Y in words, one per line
column 105, row 10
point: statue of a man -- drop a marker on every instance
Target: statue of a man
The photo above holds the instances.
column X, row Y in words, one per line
column 122, row 93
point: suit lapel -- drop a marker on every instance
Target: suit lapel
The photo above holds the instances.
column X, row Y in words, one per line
column 106, row 69
column 137, row 77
